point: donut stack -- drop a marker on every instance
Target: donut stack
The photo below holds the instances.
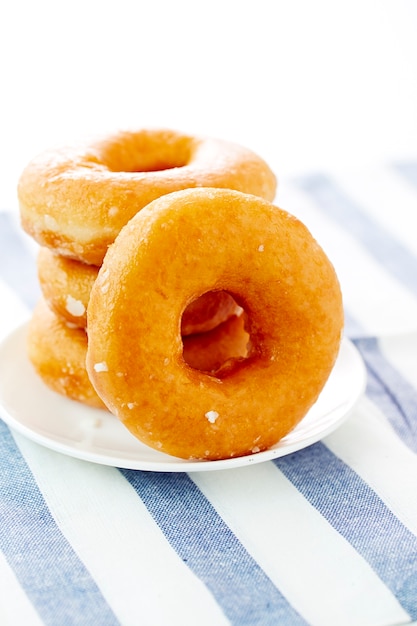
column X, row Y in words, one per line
column 75, row 201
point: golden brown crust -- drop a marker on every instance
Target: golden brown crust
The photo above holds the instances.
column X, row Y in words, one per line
column 58, row 353
column 76, row 200
column 277, row 272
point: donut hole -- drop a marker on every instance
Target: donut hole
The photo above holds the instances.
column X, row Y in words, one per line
column 147, row 152
column 158, row 163
column 223, row 342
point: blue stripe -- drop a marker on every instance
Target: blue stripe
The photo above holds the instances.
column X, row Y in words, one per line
column 378, row 241
column 386, row 386
column 47, row 568
column 408, row 169
column 202, row 540
column 17, row 264
column 360, row 516
column 390, row 391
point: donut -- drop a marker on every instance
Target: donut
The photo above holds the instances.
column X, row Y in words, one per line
column 209, row 351
column 57, row 352
column 183, row 245
column 66, row 286
column 75, row 200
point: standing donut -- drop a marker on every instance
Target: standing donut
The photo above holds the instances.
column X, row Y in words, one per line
column 183, row 245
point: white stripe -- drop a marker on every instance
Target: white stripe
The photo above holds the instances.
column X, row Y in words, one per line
column 401, row 351
column 139, row 574
column 368, row 444
column 379, row 302
column 317, row 570
column 387, row 197
column 15, row 607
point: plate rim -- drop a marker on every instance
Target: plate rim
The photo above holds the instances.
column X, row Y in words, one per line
column 175, row 464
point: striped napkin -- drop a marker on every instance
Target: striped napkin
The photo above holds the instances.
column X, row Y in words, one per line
column 326, row 536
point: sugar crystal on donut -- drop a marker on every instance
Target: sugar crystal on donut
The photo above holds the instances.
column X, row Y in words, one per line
column 212, row 416
column 101, row 367
column 74, row 307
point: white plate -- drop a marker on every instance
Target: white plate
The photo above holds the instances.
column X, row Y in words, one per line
column 32, row 409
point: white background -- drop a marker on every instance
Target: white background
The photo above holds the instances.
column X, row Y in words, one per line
column 308, row 84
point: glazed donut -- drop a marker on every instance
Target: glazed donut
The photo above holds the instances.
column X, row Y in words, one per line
column 57, row 352
column 275, row 270
column 212, row 350
column 76, row 200
column 66, row 286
